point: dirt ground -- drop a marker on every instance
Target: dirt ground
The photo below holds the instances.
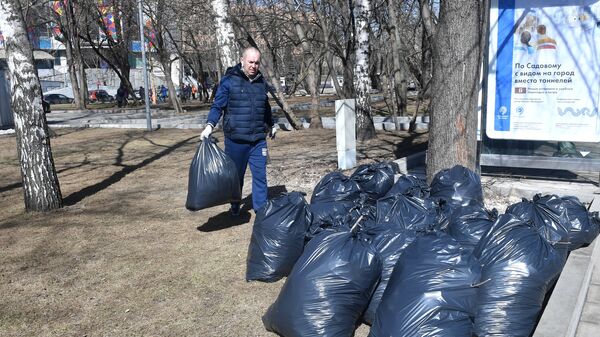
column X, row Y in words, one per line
column 124, row 257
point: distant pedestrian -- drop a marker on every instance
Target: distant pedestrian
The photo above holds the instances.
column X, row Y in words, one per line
column 163, row 93
column 187, row 91
column 142, row 93
column 182, row 92
column 194, row 91
column 122, row 94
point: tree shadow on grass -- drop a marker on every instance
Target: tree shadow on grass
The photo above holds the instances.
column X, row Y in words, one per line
column 76, row 197
column 20, row 184
column 225, row 220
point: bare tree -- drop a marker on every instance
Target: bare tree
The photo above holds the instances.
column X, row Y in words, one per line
column 74, row 21
column 399, row 68
column 312, row 60
column 457, row 59
column 161, row 17
column 112, row 46
column 365, row 129
column 66, row 20
column 40, row 182
column 265, row 22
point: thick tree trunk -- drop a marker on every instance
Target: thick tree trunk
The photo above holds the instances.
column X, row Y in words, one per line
column 40, row 182
column 365, row 129
column 225, row 36
column 456, row 66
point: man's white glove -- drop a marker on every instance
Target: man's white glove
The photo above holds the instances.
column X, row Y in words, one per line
column 272, row 132
column 207, row 131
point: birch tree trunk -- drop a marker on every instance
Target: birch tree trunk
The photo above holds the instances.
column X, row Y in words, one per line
column 365, row 129
column 456, row 66
column 40, row 182
column 225, row 35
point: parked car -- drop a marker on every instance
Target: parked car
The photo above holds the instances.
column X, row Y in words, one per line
column 58, row 99
column 45, row 106
column 100, row 96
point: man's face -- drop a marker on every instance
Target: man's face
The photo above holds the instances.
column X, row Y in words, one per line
column 251, row 62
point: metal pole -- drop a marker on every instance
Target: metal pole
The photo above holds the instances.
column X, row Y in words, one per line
column 144, row 67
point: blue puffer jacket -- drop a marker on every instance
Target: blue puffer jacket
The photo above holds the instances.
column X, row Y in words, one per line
column 247, row 115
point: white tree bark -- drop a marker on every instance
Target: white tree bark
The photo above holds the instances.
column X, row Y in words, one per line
column 40, row 183
column 362, row 81
column 225, row 35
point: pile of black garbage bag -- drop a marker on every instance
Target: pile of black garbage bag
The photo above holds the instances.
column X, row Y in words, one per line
column 411, row 259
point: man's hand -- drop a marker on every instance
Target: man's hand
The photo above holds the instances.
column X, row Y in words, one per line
column 272, row 132
column 207, row 131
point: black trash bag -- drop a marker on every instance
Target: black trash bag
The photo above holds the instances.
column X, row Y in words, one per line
column 583, row 225
column 329, row 215
column 467, row 224
column 332, row 199
column 549, row 215
column 458, row 186
column 278, row 237
column 408, row 213
column 432, row 291
column 213, row 178
column 389, row 245
column 375, row 179
column 410, row 185
column 328, row 288
column 519, row 267
column 362, row 211
column 335, row 186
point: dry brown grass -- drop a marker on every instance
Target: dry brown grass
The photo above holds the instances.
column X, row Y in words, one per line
column 124, row 257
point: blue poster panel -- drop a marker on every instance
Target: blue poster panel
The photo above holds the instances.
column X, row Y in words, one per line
column 544, row 70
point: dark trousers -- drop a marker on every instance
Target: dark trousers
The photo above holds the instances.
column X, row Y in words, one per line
column 255, row 155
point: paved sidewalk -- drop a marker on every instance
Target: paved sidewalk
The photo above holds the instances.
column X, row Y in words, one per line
column 589, row 323
column 126, row 118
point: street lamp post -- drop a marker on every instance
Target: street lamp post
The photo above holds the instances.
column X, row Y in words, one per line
column 144, row 67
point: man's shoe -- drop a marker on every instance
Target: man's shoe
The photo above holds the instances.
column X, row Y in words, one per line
column 234, row 210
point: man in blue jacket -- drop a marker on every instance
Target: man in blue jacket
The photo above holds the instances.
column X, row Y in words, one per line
column 242, row 101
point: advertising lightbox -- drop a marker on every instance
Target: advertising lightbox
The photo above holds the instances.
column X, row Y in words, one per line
column 544, row 71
